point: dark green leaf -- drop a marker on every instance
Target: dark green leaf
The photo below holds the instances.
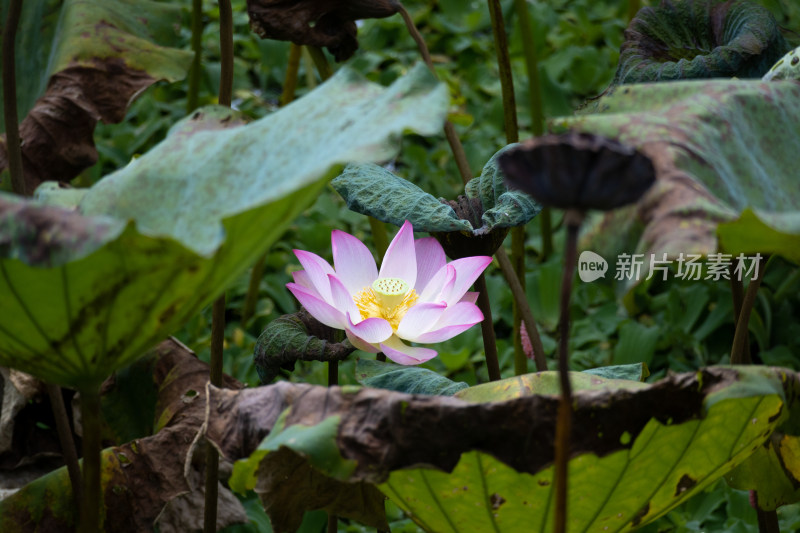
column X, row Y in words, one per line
column 408, row 379
column 700, row 39
column 296, row 337
column 374, row 191
column 633, row 372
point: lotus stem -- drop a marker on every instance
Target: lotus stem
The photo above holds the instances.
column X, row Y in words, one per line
column 290, row 82
column 740, row 353
column 518, row 292
column 449, row 130
column 287, row 96
column 633, row 7
column 91, row 502
column 504, row 67
column 226, row 52
column 564, row 420
column 192, row 96
column 65, row 440
column 321, row 62
column 333, row 373
column 379, row 236
column 767, row 521
column 215, row 377
column 333, row 379
column 13, row 146
column 512, row 136
column 737, row 294
column 518, row 263
column 218, row 307
column 537, row 110
column 251, row 298
column 487, row 329
column 311, row 80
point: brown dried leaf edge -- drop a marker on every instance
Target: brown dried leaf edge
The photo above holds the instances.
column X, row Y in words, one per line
column 385, row 431
column 140, row 477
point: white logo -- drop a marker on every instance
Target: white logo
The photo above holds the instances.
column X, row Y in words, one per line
column 591, row 266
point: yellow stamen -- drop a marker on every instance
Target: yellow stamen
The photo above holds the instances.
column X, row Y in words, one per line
column 388, row 298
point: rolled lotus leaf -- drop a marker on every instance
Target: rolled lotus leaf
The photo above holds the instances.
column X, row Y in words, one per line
column 687, row 39
column 787, row 67
column 329, row 23
column 578, row 171
column 297, row 337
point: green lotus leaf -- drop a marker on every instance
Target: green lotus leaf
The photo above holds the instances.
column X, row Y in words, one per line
column 725, row 167
column 541, row 383
column 408, row 379
column 635, row 453
column 80, row 62
column 787, row 67
column 632, row 371
column 86, row 293
column 501, row 208
column 688, row 39
column 374, row 191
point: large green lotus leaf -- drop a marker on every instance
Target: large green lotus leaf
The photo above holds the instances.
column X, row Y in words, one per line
column 374, row 191
column 462, row 466
column 82, row 61
column 690, row 39
column 720, row 148
column 201, row 207
column 774, row 470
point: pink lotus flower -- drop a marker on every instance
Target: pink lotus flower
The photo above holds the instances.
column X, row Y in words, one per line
column 417, row 296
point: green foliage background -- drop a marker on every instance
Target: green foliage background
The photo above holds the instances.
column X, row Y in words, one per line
column 673, row 326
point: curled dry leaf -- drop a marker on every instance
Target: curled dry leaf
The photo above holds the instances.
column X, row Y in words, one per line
column 399, row 440
column 328, row 23
column 138, row 478
column 102, row 57
column 687, row 39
